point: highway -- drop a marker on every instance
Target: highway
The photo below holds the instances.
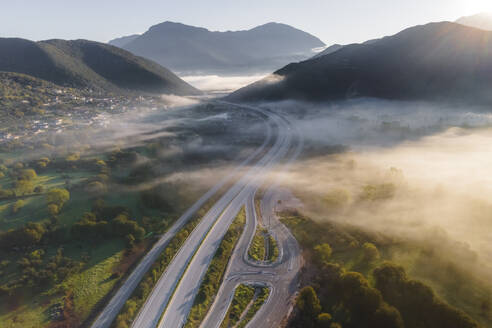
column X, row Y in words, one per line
column 116, row 303
column 170, row 301
column 281, row 276
column 179, row 306
column 174, row 293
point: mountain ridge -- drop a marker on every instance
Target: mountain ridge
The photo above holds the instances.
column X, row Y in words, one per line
column 88, row 64
column 190, row 49
column 482, row 21
column 428, row 62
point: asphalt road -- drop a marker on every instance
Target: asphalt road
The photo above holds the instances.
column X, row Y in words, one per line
column 170, row 301
column 179, row 306
column 174, row 293
column 109, row 313
column 281, row 276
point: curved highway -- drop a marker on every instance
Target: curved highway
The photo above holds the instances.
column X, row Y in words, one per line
column 170, row 301
column 116, row 303
column 281, row 276
column 174, row 293
column 179, row 306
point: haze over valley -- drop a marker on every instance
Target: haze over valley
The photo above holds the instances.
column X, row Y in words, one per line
column 249, row 176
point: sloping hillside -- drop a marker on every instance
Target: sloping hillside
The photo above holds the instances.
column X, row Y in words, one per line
column 87, row 64
column 439, row 61
column 482, row 21
column 329, row 50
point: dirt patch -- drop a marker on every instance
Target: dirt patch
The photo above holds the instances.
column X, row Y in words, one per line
column 68, row 318
column 131, row 257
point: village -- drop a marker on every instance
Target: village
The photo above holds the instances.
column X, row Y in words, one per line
column 70, row 112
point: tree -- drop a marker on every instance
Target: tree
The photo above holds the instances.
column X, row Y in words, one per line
column 72, row 157
column 23, row 186
column 322, row 253
column 324, row 320
column 129, row 241
column 28, row 174
column 387, row 316
column 53, row 209
column 42, row 163
column 416, row 301
column 308, row 305
column 358, row 296
column 16, row 207
column 123, row 226
column 28, row 235
column 371, row 252
column 58, row 197
column 96, row 187
column 6, row 194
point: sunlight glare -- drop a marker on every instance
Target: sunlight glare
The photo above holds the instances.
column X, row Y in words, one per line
column 477, row 6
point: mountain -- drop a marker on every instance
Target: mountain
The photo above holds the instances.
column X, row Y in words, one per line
column 482, row 21
column 88, row 64
column 195, row 50
column 329, row 50
column 438, row 61
column 124, row 40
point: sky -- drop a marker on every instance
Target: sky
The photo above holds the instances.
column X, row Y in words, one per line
column 333, row 21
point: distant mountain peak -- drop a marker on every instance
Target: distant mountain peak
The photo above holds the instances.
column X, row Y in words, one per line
column 170, row 26
column 272, row 25
column 196, row 50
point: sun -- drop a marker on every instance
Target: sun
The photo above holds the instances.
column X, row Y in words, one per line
column 471, row 7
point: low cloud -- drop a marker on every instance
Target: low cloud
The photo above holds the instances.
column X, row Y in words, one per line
column 221, row 84
column 427, row 166
column 171, row 101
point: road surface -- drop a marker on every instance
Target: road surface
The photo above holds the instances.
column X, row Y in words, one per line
column 114, row 306
column 173, row 295
column 170, row 301
column 281, row 276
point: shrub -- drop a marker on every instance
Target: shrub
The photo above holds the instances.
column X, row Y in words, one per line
column 53, row 209
column 371, row 252
column 16, row 207
column 322, row 253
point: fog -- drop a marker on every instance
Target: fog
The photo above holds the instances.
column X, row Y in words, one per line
column 221, row 84
column 429, row 168
column 436, row 158
column 171, row 101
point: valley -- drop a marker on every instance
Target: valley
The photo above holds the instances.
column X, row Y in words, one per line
column 247, row 173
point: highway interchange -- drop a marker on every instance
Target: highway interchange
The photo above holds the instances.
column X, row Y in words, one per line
column 170, row 301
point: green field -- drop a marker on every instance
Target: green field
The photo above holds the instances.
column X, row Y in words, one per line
column 88, row 286
column 78, row 208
